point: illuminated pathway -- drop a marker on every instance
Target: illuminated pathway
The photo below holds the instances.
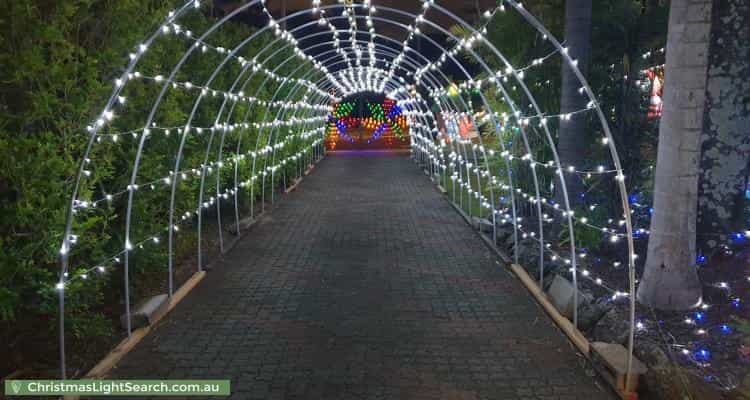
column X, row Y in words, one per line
column 364, row 284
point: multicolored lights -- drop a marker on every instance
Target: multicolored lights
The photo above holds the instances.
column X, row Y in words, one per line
column 385, row 119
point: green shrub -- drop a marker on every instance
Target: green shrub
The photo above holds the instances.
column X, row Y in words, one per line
column 59, row 59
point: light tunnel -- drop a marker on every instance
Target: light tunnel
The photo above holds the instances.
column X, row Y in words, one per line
column 257, row 122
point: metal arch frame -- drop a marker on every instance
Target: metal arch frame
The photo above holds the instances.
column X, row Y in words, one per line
column 239, row 141
column 512, row 104
column 247, row 112
column 229, row 113
column 271, row 137
column 613, row 153
column 456, row 61
column 618, row 166
column 66, row 240
column 204, row 165
column 319, row 33
column 228, row 116
column 461, row 146
column 385, row 51
column 536, row 186
column 333, row 50
column 218, row 117
column 190, row 118
column 157, row 102
column 270, row 45
column 460, row 65
column 509, row 101
column 552, row 146
column 217, row 203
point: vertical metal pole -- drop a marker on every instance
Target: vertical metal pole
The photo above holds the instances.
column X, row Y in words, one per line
column 263, row 188
column 61, row 317
column 127, row 292
column 273, row 181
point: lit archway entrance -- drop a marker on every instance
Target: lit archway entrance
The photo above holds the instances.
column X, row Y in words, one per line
column 260, row 119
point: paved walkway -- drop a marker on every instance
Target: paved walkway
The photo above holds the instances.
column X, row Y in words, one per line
column 364, row 284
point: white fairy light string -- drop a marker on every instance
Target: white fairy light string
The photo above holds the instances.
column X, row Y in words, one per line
column 547, row 245
column 467, row 46
column 465, row 158
column 67, row 241
column 619, row 176
column 155, row 238
column 186, row 174
column 413, row 29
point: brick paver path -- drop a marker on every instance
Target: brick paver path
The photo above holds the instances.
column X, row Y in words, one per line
column 364, row 284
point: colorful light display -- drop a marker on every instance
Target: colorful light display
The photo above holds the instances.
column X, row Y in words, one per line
column 385, row 120
column 343, row 109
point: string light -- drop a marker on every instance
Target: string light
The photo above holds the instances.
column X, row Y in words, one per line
column 359, row 74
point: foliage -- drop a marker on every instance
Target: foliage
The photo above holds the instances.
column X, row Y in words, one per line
column 622, row 30
column 56, row 58
column 59, row 60
column 586, row 236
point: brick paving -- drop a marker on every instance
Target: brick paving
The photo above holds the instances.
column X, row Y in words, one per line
column 364, row 284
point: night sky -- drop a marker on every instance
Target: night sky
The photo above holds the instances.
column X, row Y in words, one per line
column 299, row 14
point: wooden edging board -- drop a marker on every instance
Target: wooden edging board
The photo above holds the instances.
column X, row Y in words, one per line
column 565, row 325
column 573, row 334
column 294, row 185
column 104, row 366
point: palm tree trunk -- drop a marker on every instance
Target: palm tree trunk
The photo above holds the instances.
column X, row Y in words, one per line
column 726, row 138
column 670, row 280
column 570, row 141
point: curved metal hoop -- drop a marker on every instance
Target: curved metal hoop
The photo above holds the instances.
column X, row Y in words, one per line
column 309, row 87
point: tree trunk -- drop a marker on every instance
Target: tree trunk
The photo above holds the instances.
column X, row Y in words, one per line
column 570, row 141
column 670, row 280
column 725, row 138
